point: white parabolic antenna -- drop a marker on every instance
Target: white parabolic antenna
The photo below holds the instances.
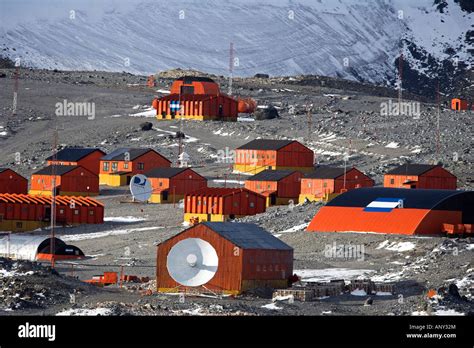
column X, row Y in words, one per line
column 192, row 262
column 140, row 187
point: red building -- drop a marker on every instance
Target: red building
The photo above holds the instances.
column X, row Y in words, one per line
column 12, row 182
column 88, row 158
column 459, row 104
column 118, row 167
column 325, row 182
column 246, row 257
column 278, row 186
column 68, row 181
column 20, row 212
column 221, row 204
column 261, row 154
column 197, row 98
column 421, row 176
column 171, row 184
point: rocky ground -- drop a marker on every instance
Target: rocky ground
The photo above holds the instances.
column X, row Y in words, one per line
column 345, row 119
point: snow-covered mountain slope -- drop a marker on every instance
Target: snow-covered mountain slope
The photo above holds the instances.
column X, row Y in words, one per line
column 353, row 39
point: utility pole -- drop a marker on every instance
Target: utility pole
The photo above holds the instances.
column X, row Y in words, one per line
column 309, row 117
column 53, row 195
column 231, row 66
column 438, row 136
column 400, row 78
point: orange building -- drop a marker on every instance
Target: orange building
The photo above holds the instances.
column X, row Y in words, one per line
column 459, row 104
column 12, row 182
column 420, row 176
column 118, row 167
column 68, row 181
column 88, row 158
column 197, row 98
column 19, row 212
column 261, row 154
column 326, row 182
column 248, row 257
column 278, row 186
column 221, row 204
column 395, row 211
column 171, row 184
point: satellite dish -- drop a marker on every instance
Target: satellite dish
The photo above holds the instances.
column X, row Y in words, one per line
column 192, row 262
column 140, row 187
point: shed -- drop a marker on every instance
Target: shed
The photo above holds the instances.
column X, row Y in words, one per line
column 261, row 154
column 34, row 248
column 221, row 204
column 197, row 98
column 395, row 211
column 88, row 158
column 459, row 104
column 171, row 184
column 12, row 182
column 68, row 181
column 326, row 182
column 278, row 186
column 416, row 176
column 20, row 212
column 248, row 257
column 118, row 167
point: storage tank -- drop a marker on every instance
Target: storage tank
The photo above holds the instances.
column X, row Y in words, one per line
column 247, row 105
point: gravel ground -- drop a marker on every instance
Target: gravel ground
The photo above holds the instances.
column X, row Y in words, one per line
column 345, row 119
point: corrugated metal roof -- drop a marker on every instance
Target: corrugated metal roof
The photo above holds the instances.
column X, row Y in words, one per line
column 119, row 154
column 271, row 175
column 412, row 198
column 37, row 199
column 190, row 79
column 326, row 172
column 411, row 169
column 265, row 144
column 58, row 170
column 164, row 172
column 247, row 235
column 73, row 154
column 217, row 191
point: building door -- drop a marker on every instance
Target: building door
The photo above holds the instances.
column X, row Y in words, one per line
column 456, row 106
column 273, row 199
column 47, row 214
column 164, row 195
column 129, row 178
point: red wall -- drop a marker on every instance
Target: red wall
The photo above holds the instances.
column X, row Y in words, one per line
column 77, row 180
column 288, row 187
column 436, row 178
column 182, row 183
column 295, row 155
column 12, row 182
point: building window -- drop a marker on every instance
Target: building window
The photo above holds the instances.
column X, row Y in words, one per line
column 199, row 202
column 39, row 181
column 325, row 184
column 356, row 177
column 258, row 268
column 76, row 212
column 252, row 204
column 125, row 165
column 309, row 184
column 61, row 211
column 141, row 166
column 19, row 224
column 268, row 186
column 258, row 186
column 105, row 166
column 91, row 212
column 114, row 166
column 236, row 204
column 392, row 181
column 161, row 184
